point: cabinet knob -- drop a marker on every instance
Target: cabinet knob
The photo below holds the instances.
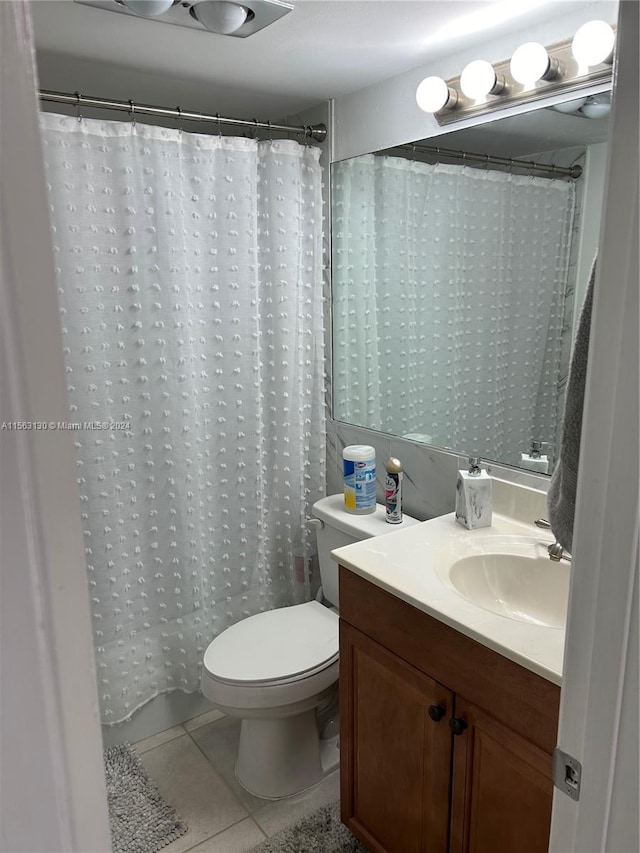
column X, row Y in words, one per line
column 457, row 725
column 436, row 712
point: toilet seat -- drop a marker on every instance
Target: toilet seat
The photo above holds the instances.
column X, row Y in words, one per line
column 277, row 647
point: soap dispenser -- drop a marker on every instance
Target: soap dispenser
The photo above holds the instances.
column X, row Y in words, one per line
column 473, row 496
column 534, row 460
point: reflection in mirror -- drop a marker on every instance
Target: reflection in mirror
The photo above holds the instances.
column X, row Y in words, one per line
column 457, row 281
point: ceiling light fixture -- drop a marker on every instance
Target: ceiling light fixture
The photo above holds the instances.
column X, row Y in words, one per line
column 593, row 43
column 238, row 18
column 479, row 79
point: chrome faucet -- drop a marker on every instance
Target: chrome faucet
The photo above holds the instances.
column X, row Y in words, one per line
column 556, row 551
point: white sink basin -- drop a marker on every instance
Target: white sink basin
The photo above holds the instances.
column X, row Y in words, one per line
column 525, row 586
column 496, row 584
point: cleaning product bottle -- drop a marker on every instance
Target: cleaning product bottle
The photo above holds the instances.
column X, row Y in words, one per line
column 473, row 496
column 359, row 469
column 393, row 490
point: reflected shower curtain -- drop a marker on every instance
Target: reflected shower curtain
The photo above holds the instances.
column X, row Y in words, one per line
column 189, row 272
column 449, row 287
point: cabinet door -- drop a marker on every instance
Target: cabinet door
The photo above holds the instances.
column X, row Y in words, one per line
column 502, row 788
column 395, row 758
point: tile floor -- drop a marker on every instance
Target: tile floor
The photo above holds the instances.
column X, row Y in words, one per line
column 192, row 765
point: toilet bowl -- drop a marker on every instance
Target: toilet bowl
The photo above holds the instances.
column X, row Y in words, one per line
column 275, row 670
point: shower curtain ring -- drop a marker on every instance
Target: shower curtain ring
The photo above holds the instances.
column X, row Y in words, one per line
column 269, row 131
column 78, row 113
column 486, row 162
column 179, row 119
column 132, row 112
column 255, row 131
column 219, row 125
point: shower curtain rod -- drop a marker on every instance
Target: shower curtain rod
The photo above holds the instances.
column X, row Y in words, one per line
column 317, row 132
column 489, row 160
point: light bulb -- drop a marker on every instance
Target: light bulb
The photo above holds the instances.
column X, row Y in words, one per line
column 479, row 79
column 531, row 62
column 433, row 94
column 148, row 8
column 593, row 43
column 220, row 16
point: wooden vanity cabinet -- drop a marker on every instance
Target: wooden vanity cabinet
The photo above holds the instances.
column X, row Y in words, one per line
column 395, row 784
column 409, row 784
column 502, row 788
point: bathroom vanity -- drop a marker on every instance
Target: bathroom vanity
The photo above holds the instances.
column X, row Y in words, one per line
column 449, row 711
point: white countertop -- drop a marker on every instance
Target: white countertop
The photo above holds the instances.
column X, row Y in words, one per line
column 405, row 563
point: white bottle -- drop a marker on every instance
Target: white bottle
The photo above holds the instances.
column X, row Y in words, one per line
column 473, row 497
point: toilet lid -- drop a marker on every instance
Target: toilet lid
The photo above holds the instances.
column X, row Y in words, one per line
column 277, row 645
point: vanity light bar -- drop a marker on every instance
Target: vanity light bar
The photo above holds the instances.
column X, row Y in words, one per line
column 533, row 73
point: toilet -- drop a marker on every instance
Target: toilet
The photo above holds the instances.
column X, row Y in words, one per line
column 276, row 670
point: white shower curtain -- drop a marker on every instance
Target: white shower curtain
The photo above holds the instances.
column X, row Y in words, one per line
column 449, row 288
column 189, row 272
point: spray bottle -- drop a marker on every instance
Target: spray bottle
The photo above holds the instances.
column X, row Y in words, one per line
column 393, row 490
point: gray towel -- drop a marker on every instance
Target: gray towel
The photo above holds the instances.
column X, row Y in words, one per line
column 561, row 500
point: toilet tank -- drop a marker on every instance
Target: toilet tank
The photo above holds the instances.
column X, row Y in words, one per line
column 339, row 528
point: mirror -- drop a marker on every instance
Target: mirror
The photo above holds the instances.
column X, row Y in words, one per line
column 457, row 282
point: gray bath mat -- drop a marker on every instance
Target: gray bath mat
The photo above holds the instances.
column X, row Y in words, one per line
column 319, row 832
column 140, row 819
